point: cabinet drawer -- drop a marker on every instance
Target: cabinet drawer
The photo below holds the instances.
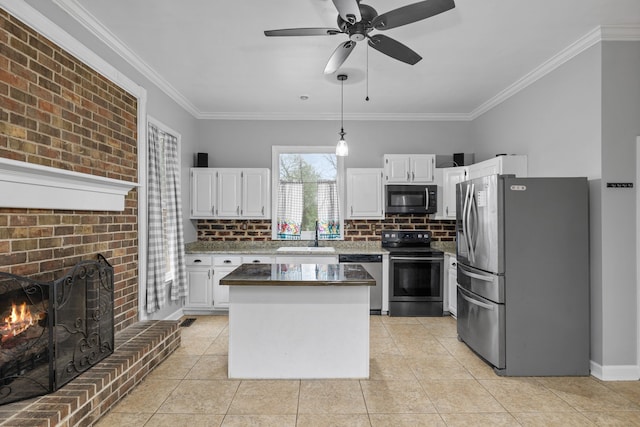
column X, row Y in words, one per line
column 227, row 260
column 257, row 259
column 198, row 260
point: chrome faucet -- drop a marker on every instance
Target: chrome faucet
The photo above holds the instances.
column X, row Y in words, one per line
column 315, row 242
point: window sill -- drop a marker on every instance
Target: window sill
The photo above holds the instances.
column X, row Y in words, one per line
column 28, row 185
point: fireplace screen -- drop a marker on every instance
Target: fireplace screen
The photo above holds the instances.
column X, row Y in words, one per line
column 52, row 332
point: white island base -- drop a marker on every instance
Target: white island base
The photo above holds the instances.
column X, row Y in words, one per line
column 298, row 332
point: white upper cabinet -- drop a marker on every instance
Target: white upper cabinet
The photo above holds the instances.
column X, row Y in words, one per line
column 256, row 199
column 502, row 165
column 203, row 192
column 409, row 168
column 365, row 193
column 230, row 193
column 450, row 178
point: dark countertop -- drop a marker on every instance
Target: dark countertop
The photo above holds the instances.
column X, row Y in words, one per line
column 298, row 275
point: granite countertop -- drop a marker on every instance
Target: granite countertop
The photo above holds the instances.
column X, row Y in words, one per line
column 299, row 275
column 271, row 247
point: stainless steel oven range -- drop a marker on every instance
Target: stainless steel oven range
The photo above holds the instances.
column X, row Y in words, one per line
column 415, row 273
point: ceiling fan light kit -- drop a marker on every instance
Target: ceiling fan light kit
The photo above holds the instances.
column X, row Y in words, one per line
column 357, row 20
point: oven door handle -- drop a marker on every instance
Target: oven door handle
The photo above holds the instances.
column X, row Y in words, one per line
column 406, row 258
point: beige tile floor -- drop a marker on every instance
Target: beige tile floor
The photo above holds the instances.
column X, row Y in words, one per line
column 420, row 375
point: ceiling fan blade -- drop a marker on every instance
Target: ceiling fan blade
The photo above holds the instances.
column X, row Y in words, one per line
column 394, row 49
column 339, row 56
column 348, row 10
column 302, row 32
column 411, row 13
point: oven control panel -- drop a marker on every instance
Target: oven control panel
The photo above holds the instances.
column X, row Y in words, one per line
column 399, row 238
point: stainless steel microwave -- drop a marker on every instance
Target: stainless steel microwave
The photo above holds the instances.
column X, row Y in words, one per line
column 415, row 199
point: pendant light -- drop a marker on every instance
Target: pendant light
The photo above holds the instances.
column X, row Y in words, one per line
column 342, row 149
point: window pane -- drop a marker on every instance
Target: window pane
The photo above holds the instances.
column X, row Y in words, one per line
column 306, row 179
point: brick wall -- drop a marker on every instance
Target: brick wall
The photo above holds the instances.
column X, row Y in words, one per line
column 356, row 230
column 58, row 112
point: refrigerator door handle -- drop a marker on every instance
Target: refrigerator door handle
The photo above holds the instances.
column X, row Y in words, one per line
column 476, row 302
column 470, row 233
column 475, row 275
column 465, row 225
column 473, row 215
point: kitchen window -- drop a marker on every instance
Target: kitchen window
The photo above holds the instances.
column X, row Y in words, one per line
column 308, row 184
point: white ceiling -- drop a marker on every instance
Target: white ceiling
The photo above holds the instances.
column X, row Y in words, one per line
column 213, row 58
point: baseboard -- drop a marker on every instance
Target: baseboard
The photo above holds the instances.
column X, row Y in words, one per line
column 615, row 372
column 176, row 315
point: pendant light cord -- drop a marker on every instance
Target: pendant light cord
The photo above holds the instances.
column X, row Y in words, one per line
column 342, row 105
column 367, row 98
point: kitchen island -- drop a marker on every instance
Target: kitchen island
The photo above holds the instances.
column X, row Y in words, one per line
column 299, row 321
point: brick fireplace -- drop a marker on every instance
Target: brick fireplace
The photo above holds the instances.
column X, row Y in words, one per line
column 58, row 112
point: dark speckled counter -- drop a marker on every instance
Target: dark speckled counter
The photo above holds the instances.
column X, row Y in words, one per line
column 299, row 275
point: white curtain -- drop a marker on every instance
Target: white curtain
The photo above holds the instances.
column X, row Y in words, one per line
column 175, row 234
column 166, row 239
column 290, row 206
column 155, row 245
column 328, row 210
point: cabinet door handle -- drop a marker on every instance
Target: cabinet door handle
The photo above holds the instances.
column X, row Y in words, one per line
column 352, row 210
column 209, row 274
column 197, row 261
column 227, row 261
column 447, row 210
column 237, row 210
column 413, row 176
column 262, row 211
column 257, row 261
column 408, row 176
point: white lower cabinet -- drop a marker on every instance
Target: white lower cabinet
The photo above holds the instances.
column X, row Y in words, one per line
column 199, row 280
column 452, row 269
column 223, row 265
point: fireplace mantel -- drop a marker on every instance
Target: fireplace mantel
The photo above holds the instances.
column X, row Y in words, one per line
column 28, row 185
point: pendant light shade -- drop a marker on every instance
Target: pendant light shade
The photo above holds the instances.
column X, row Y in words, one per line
column 342, row 149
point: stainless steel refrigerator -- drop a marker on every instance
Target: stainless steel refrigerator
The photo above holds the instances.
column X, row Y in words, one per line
column 523, row 273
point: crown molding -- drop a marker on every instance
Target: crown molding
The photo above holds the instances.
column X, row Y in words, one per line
column 95, row 27
column 403, row 117
column 593, row 37
column 621, row 33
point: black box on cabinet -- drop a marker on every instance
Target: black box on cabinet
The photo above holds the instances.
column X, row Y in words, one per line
column 463, row 159
column 202, row 160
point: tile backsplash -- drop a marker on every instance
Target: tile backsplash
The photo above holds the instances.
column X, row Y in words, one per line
column 355, row 230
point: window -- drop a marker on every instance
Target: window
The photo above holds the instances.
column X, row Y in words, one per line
column 308, row 190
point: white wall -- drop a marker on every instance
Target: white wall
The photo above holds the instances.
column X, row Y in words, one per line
column 620, row 127
column 555, row 121
column 242, row 143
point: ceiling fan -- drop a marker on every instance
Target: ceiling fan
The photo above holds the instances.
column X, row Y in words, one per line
column 357, row 20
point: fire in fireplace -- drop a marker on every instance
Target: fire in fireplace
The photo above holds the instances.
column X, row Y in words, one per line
column 52, row 332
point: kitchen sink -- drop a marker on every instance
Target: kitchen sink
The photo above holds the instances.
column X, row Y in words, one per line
column 309, row 249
